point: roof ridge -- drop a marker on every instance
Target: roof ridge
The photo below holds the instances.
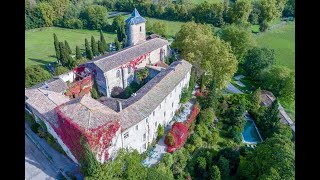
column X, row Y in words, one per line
column 123, row 50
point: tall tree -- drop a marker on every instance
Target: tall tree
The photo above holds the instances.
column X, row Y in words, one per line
column 118, row 45
column 160, row 28
column 56, row 46
column 214, row 173
column 269, row 10
column 95, row 16
column 209, row 54
column 119, row 25
column 100, row 47
column 240, row 39
column 258, row 59
column 104, row 43
column 274, row 158
column 66, row 45
column 280, row 81
column 94, row 46
column 89, row 53
column 240, row 11
column 270, row 120
column 223, row 165
column 63, row 53
column 78, row 53
column 47, row 13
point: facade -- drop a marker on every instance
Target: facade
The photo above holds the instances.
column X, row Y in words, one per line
column 75, row 119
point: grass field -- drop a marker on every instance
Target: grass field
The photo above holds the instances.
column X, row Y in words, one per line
column 282, row 40
column 173, row 26
column 39, row 48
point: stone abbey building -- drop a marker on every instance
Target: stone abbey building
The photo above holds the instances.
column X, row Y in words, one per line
column 107, row 124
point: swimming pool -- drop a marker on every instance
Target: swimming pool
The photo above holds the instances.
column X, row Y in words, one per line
column 250, row 133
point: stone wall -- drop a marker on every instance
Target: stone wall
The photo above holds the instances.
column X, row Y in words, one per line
column 134, row 33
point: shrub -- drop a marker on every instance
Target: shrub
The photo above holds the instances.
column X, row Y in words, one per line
column 116, row 91
column 60, row 70
column 170, row 139
column 35, row 74
column 160, row 131
column 185, row 95
column 35, row 127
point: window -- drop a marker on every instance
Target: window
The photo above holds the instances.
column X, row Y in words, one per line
column 118, row 73
column 140, row 29
column 144, row 146
column 153, row 113
column 126, row 135
column 137, row 127
column 144, row 137
column 172, row 104
column 155, row 124
column 164, row 114
column 129, row 70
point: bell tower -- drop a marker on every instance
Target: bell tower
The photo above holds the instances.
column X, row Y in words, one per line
column 135, row 28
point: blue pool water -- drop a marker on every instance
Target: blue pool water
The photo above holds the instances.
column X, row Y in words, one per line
column 250, row 134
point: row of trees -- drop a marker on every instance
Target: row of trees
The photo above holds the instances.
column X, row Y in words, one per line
column 217, row 14
column 93, row 15
column 65, row 13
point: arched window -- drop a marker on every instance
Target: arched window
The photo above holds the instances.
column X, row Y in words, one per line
column 118, row 73
column 140, row 29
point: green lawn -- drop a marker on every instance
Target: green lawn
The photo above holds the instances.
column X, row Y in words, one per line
column 283, row 41
column 39, row 48
column 173, row 26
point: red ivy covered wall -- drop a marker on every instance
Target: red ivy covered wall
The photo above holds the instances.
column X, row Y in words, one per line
column 98, row 138
column 80, row 88
column 179, row 131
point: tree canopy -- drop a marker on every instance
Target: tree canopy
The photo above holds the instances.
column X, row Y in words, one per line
column 258, row 59
column 213, row 55
column 240, row 39
column 35, row 74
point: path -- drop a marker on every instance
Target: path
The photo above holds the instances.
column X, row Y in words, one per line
column 232, row 89
column 160, row 148
column 60, row 163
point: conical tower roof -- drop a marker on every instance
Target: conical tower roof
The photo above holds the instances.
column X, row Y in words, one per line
column 135, row 18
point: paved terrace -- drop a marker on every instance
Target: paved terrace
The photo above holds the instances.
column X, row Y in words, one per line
column 160, row 148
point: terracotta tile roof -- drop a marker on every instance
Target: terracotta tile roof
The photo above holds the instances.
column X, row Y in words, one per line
column 44, row 102
column 55, row 84
column 88, row 113
column 113, row 60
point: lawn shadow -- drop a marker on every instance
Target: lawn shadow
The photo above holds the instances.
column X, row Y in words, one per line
column 39, row 61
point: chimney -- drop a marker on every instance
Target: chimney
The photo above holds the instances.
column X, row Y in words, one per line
column 119, row 106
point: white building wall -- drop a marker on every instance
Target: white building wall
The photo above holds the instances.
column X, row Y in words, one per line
column 135, row 138
column 70, row 76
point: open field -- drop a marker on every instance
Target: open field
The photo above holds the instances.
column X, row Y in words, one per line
column 173, row 26
column 39, row 48
column 282, row 40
